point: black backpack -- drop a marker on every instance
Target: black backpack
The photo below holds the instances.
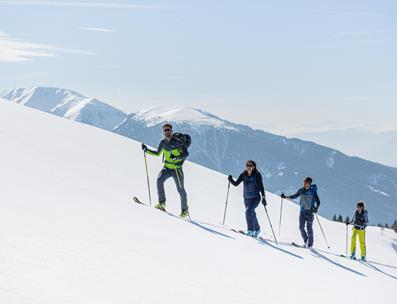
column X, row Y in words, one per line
column 184, row 139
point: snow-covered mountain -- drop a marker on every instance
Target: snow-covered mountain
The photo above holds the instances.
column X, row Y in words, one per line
column 70, row 233
column 68, row 104
column 376, row 146
column 225, row 146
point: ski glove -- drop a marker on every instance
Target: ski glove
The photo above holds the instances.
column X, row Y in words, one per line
column 230, row 178
column 283, row 195
column 144, row 148
column 315, row 209
column 264, row 201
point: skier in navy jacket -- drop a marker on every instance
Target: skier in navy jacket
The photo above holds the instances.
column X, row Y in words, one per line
column 309, row 202
column 253, row 189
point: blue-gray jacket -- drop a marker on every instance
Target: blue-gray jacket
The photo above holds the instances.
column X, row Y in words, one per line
column 253, row 184
column 308, row 198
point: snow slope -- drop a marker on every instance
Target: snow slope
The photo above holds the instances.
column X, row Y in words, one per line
column 70, row 233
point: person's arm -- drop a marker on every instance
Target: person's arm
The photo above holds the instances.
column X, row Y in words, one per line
column 184, row 154
column 156, row 153
column 294, row 196
column 353, row 219
column 259, row 180
column 366, row 219
column 238, row 181
column 317, row 200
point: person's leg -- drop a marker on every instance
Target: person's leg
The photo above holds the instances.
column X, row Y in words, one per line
column 353, row 242
column 248, row 214
column 309, row 225
column 179, row 179
column 162, row 177
column 361, row 238
column 302, row 222
column 255, row 223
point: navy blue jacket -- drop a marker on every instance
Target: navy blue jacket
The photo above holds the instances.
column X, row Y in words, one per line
column 253, row 185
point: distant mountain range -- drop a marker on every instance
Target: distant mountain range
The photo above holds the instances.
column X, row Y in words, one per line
column 68, row 104
column 376, row 146
column 225, row 146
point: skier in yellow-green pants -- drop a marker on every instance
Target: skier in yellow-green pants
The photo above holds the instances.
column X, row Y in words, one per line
column 360, row 222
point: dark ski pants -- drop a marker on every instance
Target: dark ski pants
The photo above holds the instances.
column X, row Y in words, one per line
column 250, row 214
column 306, row 218
column 165, row 174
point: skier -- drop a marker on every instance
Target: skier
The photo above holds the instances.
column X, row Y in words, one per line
column 174, row 150
column 253, row 189
column 360, row 222
column 309, row 203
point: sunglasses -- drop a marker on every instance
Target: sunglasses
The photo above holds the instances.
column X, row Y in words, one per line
column 250, row 166
column 167, row 130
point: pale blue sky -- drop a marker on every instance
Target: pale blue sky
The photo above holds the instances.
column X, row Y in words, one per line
column 286, row 66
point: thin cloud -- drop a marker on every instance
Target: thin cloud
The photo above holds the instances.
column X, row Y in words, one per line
column 363, row 33
column 85, row 4
column 346, row 13
column 16, row 50
column 96, row 29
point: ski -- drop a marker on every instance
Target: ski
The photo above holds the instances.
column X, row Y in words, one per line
column 238, row 231
column 297, row 245
column 138, row 201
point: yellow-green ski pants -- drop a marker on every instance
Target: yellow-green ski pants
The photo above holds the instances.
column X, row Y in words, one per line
column 361, row 238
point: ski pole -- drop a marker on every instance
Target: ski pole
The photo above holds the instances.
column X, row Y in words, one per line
column 147, row 178
column 281, row 212
column 227, row 200
column 271, row 226
column 322, row 230
column 347, row 239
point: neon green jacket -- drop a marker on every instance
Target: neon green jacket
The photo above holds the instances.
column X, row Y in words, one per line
column 173, row 151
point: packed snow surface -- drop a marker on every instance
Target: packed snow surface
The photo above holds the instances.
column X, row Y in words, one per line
column 70, row 232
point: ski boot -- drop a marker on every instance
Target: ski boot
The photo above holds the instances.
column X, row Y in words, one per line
column 353, row 257
column 363, row 259
column 255, row 233
column 305, row 244
column 160, row 206
column 250, row 233
column 184, row 213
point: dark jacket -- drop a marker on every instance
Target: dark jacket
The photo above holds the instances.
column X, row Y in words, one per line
column 253, row 185
column 308, row 198
column 360, row 220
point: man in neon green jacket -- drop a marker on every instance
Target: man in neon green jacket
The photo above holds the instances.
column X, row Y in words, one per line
column 174, row 154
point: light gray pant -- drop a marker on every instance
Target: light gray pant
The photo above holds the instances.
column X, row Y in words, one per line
column 165, row 174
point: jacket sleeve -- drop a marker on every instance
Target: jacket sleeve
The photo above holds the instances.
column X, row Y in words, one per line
column 297, row 194
column 366, row 219
column 352, row 220
column 317, row 199
column 156, row 153
column 184, row 154
column 238, row 181
column 260, row 184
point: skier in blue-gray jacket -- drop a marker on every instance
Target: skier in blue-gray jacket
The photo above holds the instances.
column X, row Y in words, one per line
column 253, row 190
column 309, row 202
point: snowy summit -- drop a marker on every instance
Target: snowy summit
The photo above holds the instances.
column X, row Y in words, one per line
column 155, row 115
